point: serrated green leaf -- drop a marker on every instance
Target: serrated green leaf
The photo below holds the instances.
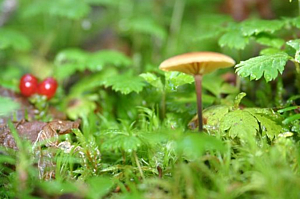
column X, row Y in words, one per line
column 270, row 122
column 125, row 83
column 234, row 39
column 153, row 80
column 266, row 65
column 128, row 143
column 176, row 79
column 294, row 44
column 90, row 82
column 250, row 27
column 13, row 39
column 7, row 106
column 69, row 61
column 214, row 114
column 269, row 40
column 269, row 126
column 239, row 123
column 183, row 104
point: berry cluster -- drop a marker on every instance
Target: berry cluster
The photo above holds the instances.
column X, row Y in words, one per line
column 29, row 85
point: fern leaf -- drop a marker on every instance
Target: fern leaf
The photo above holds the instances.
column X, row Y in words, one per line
column 234, row 39
column 13, row 39
column 269, row 40
column 251, row 27
column 295, row 44
column 266, row 65
column 153, row 80
column 239, row 123
column 125, row 83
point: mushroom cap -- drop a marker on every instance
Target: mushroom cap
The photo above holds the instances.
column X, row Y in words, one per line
column 197, row 62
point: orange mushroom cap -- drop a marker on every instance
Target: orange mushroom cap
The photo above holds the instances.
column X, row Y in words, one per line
column 197, row 62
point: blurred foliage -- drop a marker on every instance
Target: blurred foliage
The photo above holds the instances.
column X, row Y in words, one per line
column 134, row 140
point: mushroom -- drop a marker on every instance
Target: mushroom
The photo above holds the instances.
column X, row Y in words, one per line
column 197, row 64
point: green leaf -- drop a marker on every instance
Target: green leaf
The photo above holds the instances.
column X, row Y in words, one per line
column 212, row 83
column 59, row 8
column 288, row 109
column 98, row 60
column 291, row 119
column 269, row 51
column 211, row 34
column 125, row 83
column 239, row 123
column 269, row 126
column 269, row 40
column 69, row 61
column 270, row 122
column 176, row 79
column 7, row 106
column 13, row 39
column 153, row 80
column 214, row 114
column 74, row 56
column 125, row 142
column 250, row 27
column 80, row 108
column 296, row 45
column 234, row 39
column 98, row 187
column 195, row 145
column 296, row 22
column 92, row 81
column 144, row 26
column 267, row 65
column 238, row 99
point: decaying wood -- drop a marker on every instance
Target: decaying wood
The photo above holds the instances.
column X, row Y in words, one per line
column 37, row 132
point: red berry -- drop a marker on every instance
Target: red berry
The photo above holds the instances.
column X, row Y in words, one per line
column 28, row 85
column 48, row 87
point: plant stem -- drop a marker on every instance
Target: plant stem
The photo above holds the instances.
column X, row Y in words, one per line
column 297, row 75
column 138, row 165
column 163, row 105
column 198, row 84
column 238, row 79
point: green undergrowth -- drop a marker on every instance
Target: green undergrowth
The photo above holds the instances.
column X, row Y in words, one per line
column 137, row 137
column 151, row 158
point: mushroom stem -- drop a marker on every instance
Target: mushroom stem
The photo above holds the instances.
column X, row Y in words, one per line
column 198, row 84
